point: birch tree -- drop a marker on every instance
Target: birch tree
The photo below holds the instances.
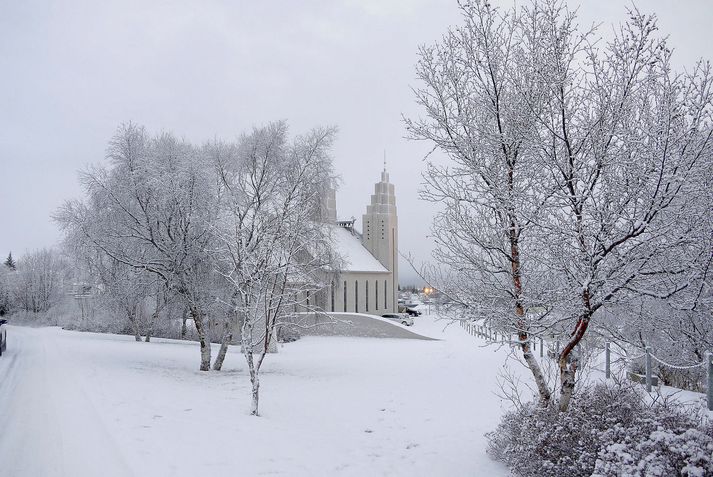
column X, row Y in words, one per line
column 571, row 183
column 274, row 247
column 476, row 97
column 622, row 136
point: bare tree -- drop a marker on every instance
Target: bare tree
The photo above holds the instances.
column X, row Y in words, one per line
column 573, row 184
column 39, row 280
column 274, row 246
column 477, row 99
column 622, row 135
column 152, row 210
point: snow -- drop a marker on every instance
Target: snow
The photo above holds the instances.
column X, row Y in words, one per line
column 85, row 404
column 361, row 325
column 356, row 257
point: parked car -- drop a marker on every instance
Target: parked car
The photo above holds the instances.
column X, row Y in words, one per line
column 3, row 336
column 399, row 317
column 412, row 311
column 409, row 310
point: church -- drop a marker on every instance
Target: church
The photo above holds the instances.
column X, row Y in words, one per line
column 368, row 279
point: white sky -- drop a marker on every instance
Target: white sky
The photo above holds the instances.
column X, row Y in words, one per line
column 71, row 71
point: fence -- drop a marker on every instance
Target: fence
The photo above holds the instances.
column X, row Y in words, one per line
column 648, row 376
column 489, row 334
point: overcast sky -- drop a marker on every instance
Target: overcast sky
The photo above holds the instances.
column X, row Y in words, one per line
column 70, row 72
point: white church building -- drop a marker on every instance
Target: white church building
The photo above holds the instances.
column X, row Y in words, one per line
column 369, row 276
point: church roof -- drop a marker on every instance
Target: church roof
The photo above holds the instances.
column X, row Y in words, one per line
column 355, row 256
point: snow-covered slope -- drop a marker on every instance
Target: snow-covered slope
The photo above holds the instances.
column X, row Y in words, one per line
column 83, row 404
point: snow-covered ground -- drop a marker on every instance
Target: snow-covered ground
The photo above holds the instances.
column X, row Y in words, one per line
column 82, row 404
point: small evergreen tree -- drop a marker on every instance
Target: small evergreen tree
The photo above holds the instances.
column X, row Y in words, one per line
column 9, row 262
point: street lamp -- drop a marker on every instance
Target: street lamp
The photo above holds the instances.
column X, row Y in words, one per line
column 428, row 292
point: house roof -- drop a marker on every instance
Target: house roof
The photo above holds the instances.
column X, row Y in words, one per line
column 355, row 256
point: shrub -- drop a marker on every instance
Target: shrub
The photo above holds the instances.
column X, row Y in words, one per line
column 609, row 430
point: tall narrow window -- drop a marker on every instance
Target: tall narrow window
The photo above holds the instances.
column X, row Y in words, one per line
column 376, row 290
column 386, row 294
column 356, row 296
column 366, row 291
column 332, row 290
column 345, row 295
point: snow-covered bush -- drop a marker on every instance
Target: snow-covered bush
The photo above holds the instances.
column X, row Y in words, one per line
column 664, row 452
column 609, row 428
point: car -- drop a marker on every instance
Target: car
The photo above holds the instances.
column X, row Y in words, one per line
column 3, row 336
column 409, row 310
column 412, row 311
column 399, row 317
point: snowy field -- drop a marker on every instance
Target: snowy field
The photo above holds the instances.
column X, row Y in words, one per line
column 83, row 404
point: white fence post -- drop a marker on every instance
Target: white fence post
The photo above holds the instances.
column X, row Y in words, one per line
column 607, row 354
column 648, row 369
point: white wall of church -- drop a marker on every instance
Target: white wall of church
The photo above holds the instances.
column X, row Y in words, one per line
column 364, row 293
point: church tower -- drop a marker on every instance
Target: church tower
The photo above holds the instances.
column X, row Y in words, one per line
column 380, row 235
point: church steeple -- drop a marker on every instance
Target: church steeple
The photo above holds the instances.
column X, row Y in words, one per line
column 380, row 232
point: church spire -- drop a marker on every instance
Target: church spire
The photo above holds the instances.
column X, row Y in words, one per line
column 380, row 234
column 384, row 174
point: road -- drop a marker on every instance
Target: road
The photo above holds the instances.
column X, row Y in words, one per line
column 48, row 424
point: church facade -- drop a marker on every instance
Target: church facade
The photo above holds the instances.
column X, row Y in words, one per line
column 368, row 279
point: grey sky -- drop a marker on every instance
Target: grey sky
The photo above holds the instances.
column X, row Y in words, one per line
column 70, row 72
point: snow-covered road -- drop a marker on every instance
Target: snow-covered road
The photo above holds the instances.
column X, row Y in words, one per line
column 84, row 404
column 48, row 424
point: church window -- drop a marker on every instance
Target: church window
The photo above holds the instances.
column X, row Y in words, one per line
column 386, row 293
column 366, row 291
column 356, row 296
column 376, row 290
column 345, row 295
column 332, row 287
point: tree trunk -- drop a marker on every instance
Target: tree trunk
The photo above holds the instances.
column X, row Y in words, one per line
column 523, row 335
column 542, row 388
column 567, row 378
column 255, row 380
column 202, row 339
column 225, row 342
column 568, row 367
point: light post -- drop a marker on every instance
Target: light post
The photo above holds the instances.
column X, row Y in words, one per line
column 427, row 291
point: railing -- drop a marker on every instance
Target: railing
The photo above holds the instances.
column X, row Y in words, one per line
column 488, row 334
column 650, row 356
column 492, row 335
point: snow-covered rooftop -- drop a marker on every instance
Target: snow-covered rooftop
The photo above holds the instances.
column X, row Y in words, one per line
column 356, row 257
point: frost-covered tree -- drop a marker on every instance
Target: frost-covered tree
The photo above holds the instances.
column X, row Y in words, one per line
column 623, row 136
column 152, row 209
column 274, row 248
column 38, row 282
column 5, row 290
column 572, row 183
column 477, row 98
